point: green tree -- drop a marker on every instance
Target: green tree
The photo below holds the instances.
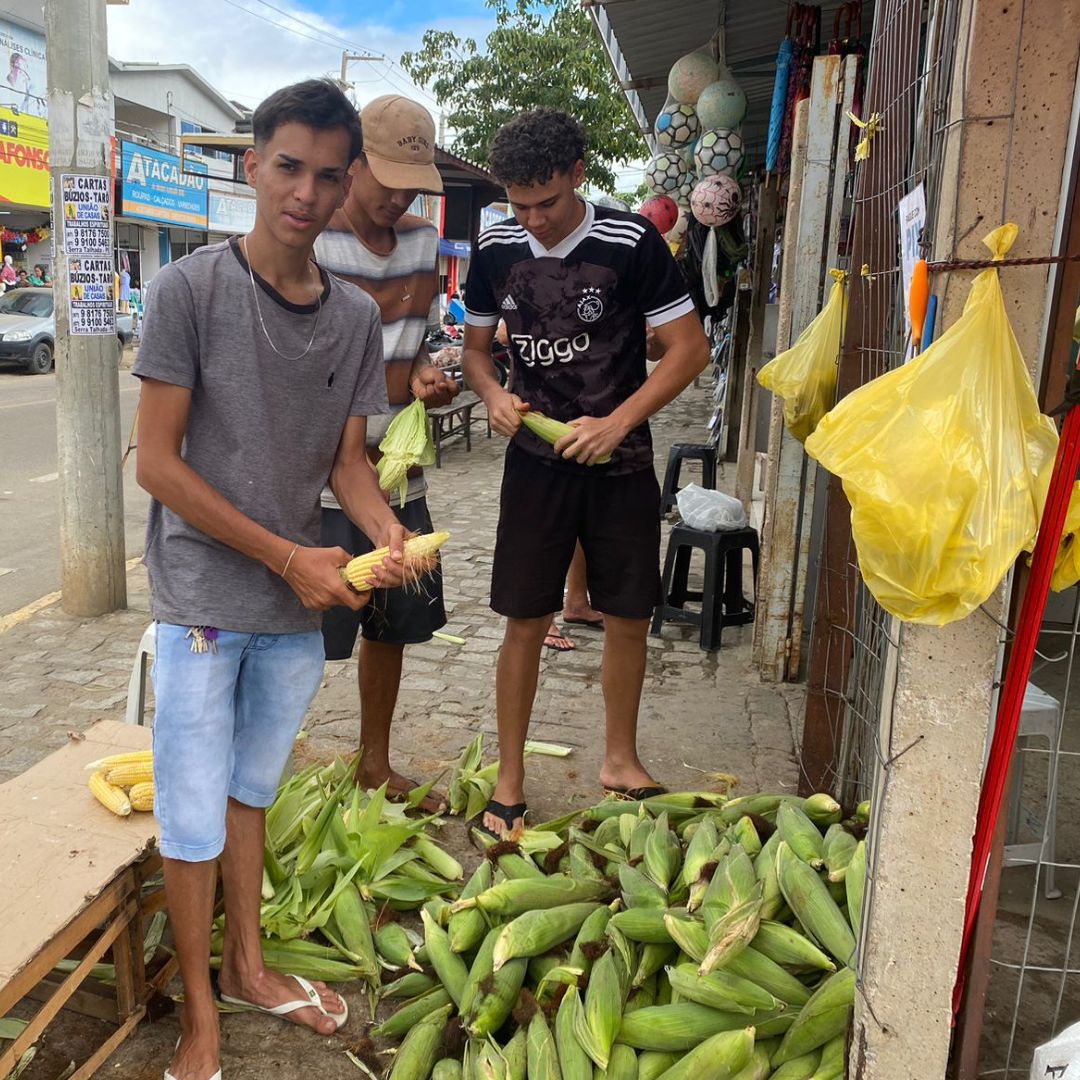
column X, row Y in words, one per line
column 539, row 54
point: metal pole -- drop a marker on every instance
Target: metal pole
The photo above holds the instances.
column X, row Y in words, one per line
column 92, row 579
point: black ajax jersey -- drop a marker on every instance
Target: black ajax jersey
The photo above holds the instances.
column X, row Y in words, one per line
column 576, row 318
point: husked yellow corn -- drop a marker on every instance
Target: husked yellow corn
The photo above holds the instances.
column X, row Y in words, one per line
column 141, row 796
column 111, row 797
column 551, row 431
column 418, row 550
column 131, row 757
column 130, row 773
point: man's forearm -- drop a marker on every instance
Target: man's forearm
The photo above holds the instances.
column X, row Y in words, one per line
column 179, row 487
column 356, row 488
column 480, row 373
column 675, row 372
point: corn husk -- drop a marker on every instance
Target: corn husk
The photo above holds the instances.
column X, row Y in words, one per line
column 407, row 442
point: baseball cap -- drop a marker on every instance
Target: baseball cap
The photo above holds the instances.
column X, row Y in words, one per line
column 399, row 143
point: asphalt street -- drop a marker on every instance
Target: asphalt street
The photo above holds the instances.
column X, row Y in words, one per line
column 29, row 495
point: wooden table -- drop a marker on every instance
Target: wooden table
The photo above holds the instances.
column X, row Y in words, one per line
column 455, row 419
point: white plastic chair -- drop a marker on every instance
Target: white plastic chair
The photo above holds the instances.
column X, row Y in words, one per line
column 136, row 699
column 1040, row 718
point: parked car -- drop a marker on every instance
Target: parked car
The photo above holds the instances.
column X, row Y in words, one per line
column 28, row 329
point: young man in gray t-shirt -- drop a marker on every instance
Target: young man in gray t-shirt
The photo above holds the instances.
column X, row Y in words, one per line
column 259, row 370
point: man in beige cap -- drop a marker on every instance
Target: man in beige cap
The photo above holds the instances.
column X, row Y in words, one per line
column 373, row 242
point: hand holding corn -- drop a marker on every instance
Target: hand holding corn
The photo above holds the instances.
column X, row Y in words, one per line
column 592, row 439
column 314, row 575
column 505, row 411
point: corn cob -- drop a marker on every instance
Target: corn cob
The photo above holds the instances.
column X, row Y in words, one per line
column 447, row 1069
column 644, row 997
column 719, row 1057
column 496, row 998
column 788, row 947
column 721, row 990
column 623, row 1065
column 516, row 865
column 654, row 1063
column 745, row 834
column 732, row 932
column 854, row 885
column 510, row 898
column 592, row 932
column 840, row 846
column 110, row 796
column 535, row 932
column 800, row 1068
column 822, row 809
column 353, row 921
column 758, row 968
column 833, row 1059
column 700, row 888
column 582, row 867
column 644, row 925
column 543, row 1058
column 639, row 837
column 412, row 1012
column 801, row 835
column 131, row 757
column 676, row 1027
column 411, row 984
column 862, row 812
column 758, row 1067
column 597, row 1023
column 442, row 862
column 689, row 934
column 130, row 773
column 141, row 796
column 762, row 805
column 419, row 551
column 662, row 853
column 420, row 1050
column 574, row 1063
column 822, row 1018
column 639, row 891
column 775, row 1023
column 772, row 899
column 483, row 966
column 551, row 431
column 485, row 1061
column 815, row 909
column 393, row 945
column 663, row 993
column 293, row 958
column 652, row 959
column 698, row 850
column 448, row 965
column 466, row 929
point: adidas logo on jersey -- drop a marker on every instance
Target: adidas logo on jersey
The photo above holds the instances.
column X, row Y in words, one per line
column 509, row 304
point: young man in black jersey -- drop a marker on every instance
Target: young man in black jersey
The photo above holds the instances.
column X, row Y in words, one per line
column 575, row 284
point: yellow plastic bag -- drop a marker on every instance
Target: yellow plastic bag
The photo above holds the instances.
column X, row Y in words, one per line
column 805, row 375
column 946, row 463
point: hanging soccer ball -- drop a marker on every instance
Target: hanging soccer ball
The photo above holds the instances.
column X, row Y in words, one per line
column 677, row 125
column 716, row 200
column 666, row 174
column 661, row 210
column 722, row 104
column 690, row 75
column 718, row 151
column 613, row 203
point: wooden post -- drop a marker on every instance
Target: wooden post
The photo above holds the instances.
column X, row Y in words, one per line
column 88, row 439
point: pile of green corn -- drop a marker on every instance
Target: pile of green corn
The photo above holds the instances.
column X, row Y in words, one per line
column 687, row 936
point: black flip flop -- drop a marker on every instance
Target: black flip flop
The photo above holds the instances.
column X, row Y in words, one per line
column 506, row 814
column 592, row 624
column 636, row 794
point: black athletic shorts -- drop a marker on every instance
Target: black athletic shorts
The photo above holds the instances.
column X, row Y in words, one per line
column 405, row 616
column 545, row 510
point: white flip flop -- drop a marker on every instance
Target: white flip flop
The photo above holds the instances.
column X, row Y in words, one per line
column 313, row 1000
column 169, row 1075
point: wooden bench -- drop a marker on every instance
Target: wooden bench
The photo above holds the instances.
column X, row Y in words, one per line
column 76, row 881
column 455, row 419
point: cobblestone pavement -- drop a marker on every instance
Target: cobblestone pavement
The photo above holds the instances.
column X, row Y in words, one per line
column 701, row 711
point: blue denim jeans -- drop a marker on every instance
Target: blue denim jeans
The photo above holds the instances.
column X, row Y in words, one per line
column 224, row 725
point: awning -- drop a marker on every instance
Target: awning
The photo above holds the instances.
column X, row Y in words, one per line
column 458, row 249
column 644, row 40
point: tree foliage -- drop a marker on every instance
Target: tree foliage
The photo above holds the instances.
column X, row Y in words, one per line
column 539, row 54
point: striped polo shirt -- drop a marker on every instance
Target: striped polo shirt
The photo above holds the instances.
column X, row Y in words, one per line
column 405, row 285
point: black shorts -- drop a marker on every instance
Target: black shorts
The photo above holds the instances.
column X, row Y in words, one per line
column 393, row 616
column 545, row 510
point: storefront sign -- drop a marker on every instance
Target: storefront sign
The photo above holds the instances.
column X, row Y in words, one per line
column 91, row 285
column 24, row 160
column 155, row 188
column 230, row 211
column 492, row 215
column 23, row 86
column 87, row 217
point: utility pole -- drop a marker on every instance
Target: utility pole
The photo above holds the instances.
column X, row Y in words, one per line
column 92, row 577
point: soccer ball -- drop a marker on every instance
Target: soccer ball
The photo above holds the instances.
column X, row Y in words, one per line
column 661, row 210
column 690, row 75
column 613, row 203
column 677, row 125
column 716, row 200
column 666, row 174
column 718, row 151
column 722, row 104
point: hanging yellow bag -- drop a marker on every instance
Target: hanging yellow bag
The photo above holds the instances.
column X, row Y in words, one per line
column 805, row 375
column 945, row 462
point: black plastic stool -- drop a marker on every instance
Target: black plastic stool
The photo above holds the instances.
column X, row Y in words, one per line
column 722, row 601
column 679, row 453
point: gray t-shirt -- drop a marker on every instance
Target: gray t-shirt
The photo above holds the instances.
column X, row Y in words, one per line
column 262, row 430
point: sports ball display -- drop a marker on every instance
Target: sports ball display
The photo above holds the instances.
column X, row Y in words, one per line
column 662, row 211
column 718, row 151
column 667, row 174
column 716, row 200
column 722, row 104
column 677, row 125
column 690, row 75
column 675, row 234
column 612, row 203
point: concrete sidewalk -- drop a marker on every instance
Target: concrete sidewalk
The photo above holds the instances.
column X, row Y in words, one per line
column 701, row 711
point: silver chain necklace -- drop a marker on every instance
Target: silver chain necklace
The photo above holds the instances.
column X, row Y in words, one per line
column 258, row 309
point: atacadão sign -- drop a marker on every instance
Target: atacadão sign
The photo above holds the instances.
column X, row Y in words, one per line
column 154, row 187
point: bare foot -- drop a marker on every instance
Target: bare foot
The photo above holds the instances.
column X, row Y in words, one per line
column 196, row 1056
column 271, row 988
column 509, row 796
column 585, row 616
column 399, row 787
column 557, row 640
column 626, row 775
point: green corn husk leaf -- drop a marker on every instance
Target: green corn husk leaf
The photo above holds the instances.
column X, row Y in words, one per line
column 466, row 929
column 732, row 932
column 718, row 1057
column 760, row 805
column 447, row 1069
column 816, row 910
column 480, row 971
column 11, row 1027
column 623, row 1065
column 721, row 990
column 515, row 1054
column 601, row 1014
column 393, row 945
column 467, row 764
column 407, row 442
column 663, row 854
column 420, row 1049
column 448, row 965
column 862, row 812
column 772, row 899
column 677, row 1027
column 543, row 1057
column 496, row 998
column 689, row 934
column 535, row 932
column 411, row 984
column 551, row 431
column 840, row 848
column 801, row 835
column 639, row 837
column 854, row 886
column 411, row 1013
column 645, row 925
column 833, row 1059
column 653, row 958
column 800, row 1068
column 701, row 846
column 822, row 809
column 509, row 898
column 549, row 985
column 574, row 1062
column 643, row 997
column 758, row 968
column 745, row 834
column 821, row 1019
column 758, row 1067
column 592, row 932
column 787, row 947
column 652, row 1064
